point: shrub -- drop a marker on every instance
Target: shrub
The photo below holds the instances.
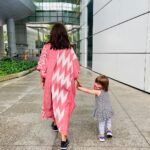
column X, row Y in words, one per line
column 12, row 65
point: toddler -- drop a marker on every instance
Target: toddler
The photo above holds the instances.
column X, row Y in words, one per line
column 103, row 110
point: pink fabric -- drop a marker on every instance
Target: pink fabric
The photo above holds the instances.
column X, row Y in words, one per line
column 59, row 68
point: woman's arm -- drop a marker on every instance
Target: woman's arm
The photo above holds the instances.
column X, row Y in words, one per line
column 94, row 92
column 42, row 82
column 42, row 67
column 78, row 81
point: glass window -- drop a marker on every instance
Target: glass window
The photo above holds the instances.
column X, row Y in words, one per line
column 53, row 19
column 60, row 13
column 53, row 13
column 46, row 13
column 39, row 19
column 39, row 13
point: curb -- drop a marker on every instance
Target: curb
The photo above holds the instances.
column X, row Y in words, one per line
column 17, row 75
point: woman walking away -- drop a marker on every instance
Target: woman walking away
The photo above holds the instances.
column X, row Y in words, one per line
column 59, row 68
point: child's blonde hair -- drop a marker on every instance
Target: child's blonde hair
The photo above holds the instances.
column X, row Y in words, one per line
column 103, row 81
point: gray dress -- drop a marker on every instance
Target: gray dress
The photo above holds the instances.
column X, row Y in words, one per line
column 103, row 109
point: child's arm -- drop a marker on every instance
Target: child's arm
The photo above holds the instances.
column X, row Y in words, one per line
column 94, row 92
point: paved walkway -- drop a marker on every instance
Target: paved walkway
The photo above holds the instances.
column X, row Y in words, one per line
column 21, row 127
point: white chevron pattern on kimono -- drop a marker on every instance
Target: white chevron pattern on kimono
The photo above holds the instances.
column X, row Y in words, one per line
column 59, row 95
column 60, row 77
column 61, row 80
column 59, row 114
column 65, row 61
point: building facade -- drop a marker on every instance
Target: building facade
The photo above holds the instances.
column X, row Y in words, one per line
column 28, row 23
column 120, row 40
column 10, row 12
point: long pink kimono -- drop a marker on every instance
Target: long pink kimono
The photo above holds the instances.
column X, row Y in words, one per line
column 59, row 68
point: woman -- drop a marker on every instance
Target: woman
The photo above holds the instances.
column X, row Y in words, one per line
column 59, row 68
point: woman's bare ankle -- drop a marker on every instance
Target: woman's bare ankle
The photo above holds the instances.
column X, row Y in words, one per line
column 63, row 138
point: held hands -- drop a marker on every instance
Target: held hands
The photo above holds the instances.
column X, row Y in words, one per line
column 79, row 85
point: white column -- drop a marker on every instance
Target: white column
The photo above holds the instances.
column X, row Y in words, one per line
column 2, row 52
column 11, row 37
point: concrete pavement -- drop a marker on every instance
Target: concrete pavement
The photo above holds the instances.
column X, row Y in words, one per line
column 21, row 127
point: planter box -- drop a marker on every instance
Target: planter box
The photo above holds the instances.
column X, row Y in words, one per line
column 16, row 75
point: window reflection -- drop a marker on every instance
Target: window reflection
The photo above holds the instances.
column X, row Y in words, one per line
column 59, row 6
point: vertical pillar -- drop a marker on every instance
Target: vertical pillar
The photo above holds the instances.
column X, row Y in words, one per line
column 2, row 52
column 11, row 37
column 21, row 37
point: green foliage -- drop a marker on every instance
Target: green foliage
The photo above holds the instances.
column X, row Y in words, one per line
column 46, row 38
column 5, row 36
column 50, row 26
column 11, row 65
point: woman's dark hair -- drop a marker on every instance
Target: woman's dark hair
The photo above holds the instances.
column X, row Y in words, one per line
column 59, row 37
column 103, row 81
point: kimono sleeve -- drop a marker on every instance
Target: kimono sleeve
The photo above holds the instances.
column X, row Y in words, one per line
column 42, row 66
column 76, row 65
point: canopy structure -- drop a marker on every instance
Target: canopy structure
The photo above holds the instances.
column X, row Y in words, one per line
column 16, row 9
column 51, row 11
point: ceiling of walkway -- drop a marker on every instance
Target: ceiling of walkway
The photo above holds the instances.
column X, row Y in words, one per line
column 16, row 9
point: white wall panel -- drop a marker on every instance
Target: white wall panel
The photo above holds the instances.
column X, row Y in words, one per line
column 106, row 17
column 127, row 68
column 83, row 16
column 132, row 8
column 130, row 69
column 105, row 64
column 147, row 75
column 84, row 3
column 124, row 46
column 83, row 51
column 98, row 4
column 148, row 35
column 83, row 32
column 118, row 11
column 128, row 37
column 83, row 60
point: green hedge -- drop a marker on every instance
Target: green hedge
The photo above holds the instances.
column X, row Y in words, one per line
column 11, row 65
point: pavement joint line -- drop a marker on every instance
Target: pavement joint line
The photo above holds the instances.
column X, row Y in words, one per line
column 130, row 118
column 11, row 81
column 14, row 80
column 5, row 84
column 19, row 98
column 53, row 146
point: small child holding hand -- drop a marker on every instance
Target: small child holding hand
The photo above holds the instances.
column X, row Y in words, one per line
column 103, row 110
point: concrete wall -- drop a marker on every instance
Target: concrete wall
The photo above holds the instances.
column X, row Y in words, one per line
column 83, row 33
column 32, row 36
column 121, row 41
column 21, row 37
column 2, row 53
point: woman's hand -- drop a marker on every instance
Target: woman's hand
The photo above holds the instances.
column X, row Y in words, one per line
column 79, row 84
column 42, row 82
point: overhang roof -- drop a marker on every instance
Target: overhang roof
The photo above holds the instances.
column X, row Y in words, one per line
column 17, row 9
